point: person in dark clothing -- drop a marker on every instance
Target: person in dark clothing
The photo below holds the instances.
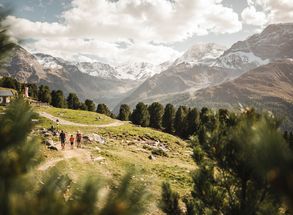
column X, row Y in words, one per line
column 78, row 139
column 62, row 139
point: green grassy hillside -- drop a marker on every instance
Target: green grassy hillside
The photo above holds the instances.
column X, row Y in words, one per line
column 126, row 147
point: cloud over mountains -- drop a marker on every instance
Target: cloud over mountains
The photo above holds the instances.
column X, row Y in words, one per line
column 139, row 30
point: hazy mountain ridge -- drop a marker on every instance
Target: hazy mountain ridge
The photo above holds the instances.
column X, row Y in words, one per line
column 128, row 71
column 59, row 74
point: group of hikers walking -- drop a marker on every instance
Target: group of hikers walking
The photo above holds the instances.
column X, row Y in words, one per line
column 72, row 139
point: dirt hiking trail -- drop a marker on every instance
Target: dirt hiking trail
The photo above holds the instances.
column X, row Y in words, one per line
column 81, row 154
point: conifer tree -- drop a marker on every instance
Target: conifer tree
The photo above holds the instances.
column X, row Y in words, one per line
column 12, row 83
column 168, row 118
column 170, row 201
column 44, row 94
column 140, row 115
column 192, row 122
column 179, row 122
column 58, row 99
column 90, row 105
column 73, row 101
column 82, row 106
column 103, row 109
column 124, row 113
column 156, row 111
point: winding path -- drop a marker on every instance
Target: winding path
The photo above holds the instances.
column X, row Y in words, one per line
column 81, row 154
column 65, row 122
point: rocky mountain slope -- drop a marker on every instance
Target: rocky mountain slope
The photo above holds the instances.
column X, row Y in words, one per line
column 274, row 80
column 192, row 72
column 268, row 87
column 273, row 43
column 59, row 74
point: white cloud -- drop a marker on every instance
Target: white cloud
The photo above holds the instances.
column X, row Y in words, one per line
column 252, row 17
column 271, row 11
column 141, row 21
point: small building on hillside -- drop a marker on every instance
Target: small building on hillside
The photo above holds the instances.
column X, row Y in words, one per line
column 5, row 96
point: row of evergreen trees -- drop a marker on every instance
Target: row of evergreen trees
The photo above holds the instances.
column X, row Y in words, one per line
column 183, row 121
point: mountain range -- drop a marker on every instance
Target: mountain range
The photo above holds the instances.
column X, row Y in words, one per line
column 256, row 71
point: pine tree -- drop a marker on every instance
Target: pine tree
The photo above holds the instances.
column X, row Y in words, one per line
column 44, row 94
column 82, row 106
column 179, row 122
column 73, row 101
column 90, row 105
column 124, row 112
column 140, row 115
column 168, row 118
column 156, row 111
column 12, row 83
column 103, row 109
column 170, row 201
column 192, row 122
column 58, row 99
column 18, row 153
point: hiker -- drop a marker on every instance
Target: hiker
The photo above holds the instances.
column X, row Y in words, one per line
column 71, row 140
column 62, row 139
column 57, row 124
column 78, row 139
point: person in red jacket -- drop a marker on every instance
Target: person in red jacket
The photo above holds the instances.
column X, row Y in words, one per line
column 71, row 140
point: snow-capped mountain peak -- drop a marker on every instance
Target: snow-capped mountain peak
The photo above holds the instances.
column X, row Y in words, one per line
column 137, row 70
column 97, row 69
column 48, row 61
column 127, row 71
column 201, row 54
column 273, row 43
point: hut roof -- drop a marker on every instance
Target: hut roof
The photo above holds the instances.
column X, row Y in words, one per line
column 6, row 93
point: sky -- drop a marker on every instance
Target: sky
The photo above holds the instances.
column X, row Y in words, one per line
column 122, row 31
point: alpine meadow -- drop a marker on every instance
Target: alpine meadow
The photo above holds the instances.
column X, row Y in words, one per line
column 146, row 107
